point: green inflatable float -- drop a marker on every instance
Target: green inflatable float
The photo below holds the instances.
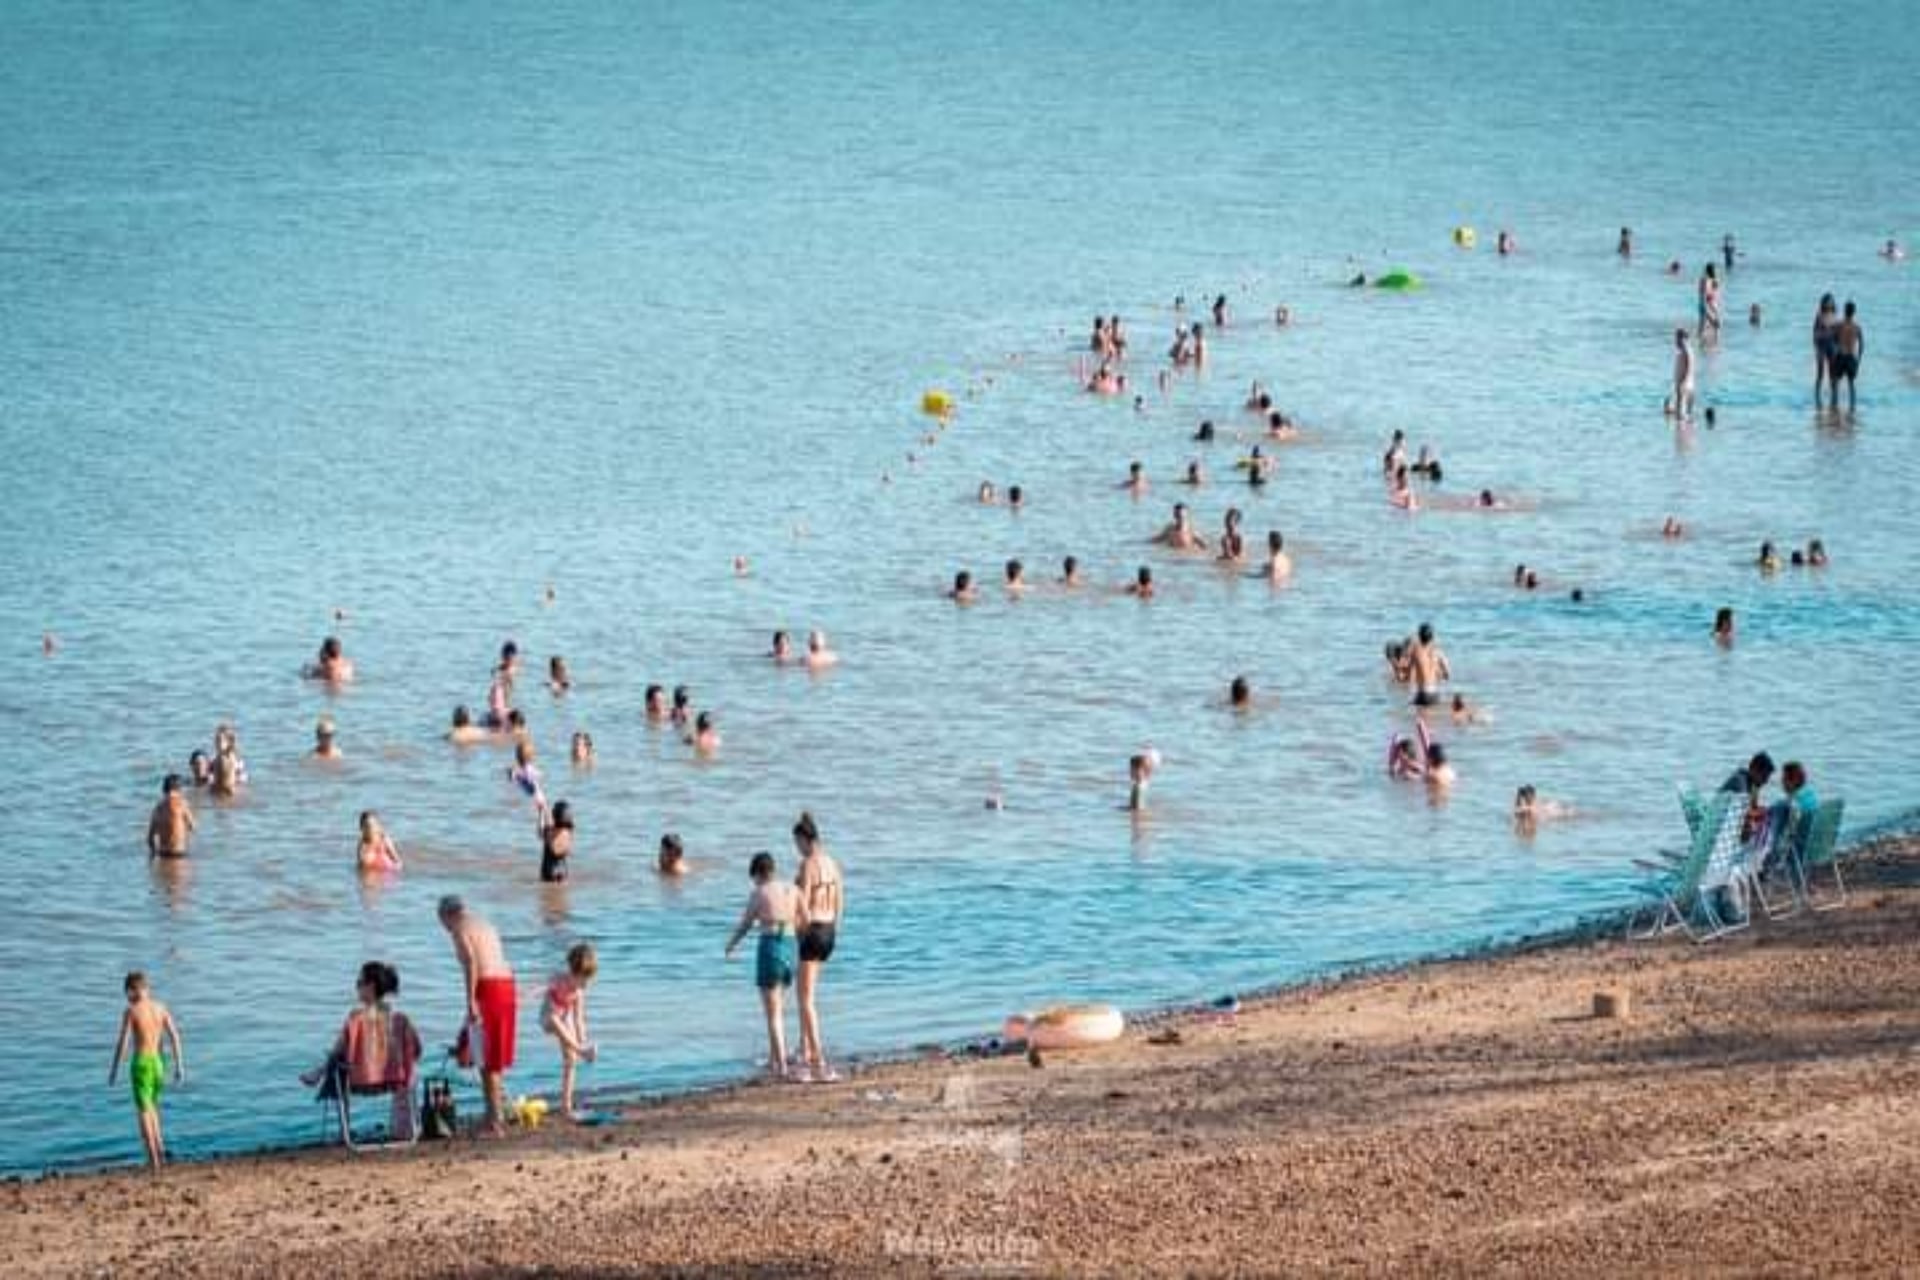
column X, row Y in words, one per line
column 1399, row 279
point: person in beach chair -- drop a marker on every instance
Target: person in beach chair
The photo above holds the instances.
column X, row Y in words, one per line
column 376, row 1053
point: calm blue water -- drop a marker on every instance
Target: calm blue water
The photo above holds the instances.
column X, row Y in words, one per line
column 415, row 311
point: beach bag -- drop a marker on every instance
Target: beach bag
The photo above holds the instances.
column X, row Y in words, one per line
column 438, row 1117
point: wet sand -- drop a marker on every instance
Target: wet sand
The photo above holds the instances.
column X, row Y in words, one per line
column 1758, row 1112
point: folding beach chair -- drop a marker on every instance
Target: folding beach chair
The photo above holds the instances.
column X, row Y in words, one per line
column 1820, row 849
column 1679, row 893
column 375, row 1067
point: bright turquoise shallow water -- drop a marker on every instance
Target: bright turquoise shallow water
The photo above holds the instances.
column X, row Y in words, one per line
column 416, row 310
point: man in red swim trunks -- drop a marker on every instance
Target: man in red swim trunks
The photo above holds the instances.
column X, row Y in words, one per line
column 490, row 999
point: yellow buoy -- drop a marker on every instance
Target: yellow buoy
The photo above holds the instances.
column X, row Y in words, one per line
column 1464, row 237
column 936, row 404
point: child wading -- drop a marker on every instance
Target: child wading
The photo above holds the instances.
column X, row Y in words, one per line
column 563, row 1015
column 142, row 1027
column 775, row 908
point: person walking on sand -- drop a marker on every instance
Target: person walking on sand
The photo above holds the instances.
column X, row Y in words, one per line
column 777, row 911
column 1849, row 344
column 143, row 1027
column 822, row 898
column 491, row 1003
column 170, row 828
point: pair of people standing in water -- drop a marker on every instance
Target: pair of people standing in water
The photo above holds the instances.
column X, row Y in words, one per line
column 798, row 926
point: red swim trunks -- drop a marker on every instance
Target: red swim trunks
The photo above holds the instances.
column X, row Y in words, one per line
column 498, row 1013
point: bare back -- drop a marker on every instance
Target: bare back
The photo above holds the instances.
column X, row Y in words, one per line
column 820, row 887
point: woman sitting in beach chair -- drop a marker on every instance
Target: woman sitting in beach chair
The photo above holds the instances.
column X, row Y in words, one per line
column 376, row 1053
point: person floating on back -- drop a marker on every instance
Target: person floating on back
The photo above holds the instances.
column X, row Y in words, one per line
column 143, row 1027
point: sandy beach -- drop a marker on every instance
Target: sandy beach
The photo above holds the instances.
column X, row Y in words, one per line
column 1757, row 1112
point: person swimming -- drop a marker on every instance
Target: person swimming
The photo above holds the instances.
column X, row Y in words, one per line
column 1240, row 694
column 1142, row 585
column 1180, row 534
column 332, row 666
column 559, row 679
column 1070, row 572
column 1625, row 247
column 1505, row 244
column 1400, row 494
column 1194, row 477
column 820, row 655
column 324, row 747
column 1817, row 554
column 1202, row 435
column 963, row 592
column 1396, row 456
column 1768, row 560
column 1723, row 628
column 582, row 750
column 200, row 769
column 1233, row 546
column 1016, row 578
column 682, row 711
column 705, row 738
column 672, row 860
column 1673, row 529
column 1136, row 481
column 1281, row 427
column 782, row 652
column 1279, row 564
column 986, row 496
column 1282, row 316
column 656, row 704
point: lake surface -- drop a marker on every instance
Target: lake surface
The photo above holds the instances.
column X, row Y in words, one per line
column 415, row 312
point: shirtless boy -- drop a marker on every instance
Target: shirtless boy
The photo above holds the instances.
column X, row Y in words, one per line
column 143, row 1027
column 170, row 829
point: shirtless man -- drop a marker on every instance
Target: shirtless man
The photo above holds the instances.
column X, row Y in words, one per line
column 1849, row 344
column 1181, row 535
column 706, row 736
column 1681, row 407
column 819, row 655
column 1016, row 579
column 1136, row 481
column 1430, row 669
column 324, row 747
column 332, row 666
column 963, row 592
column 1279, row 564
column 170, row 829
column 491, row 1001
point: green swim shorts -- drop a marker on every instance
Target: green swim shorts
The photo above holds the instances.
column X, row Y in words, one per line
column 147, row 1073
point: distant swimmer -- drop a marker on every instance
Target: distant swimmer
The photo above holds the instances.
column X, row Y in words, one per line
column 1488, row 502
column 1728, row 251
column 509, row 665
column 1139, row 778
column 1426, row 464
column 324, row 746
column 1070, row 572
column 1282, row 316
column 1220, row 312
column 681, row 712
column 1258, row 401
column 706, row 735
column 672, row 860
column 1826, row 324
column 1400, row 494
column 1530, row 809
column 581, row 751
column 1625, row 247
column 1723, row 628
column 1359, row 281
column 499, row 699
column 1754, row 316
column 1892, row 251
column 820, row 654
column 1768, row 561
column 1016, row 579
column 559, row 679
column 1233, row 545
column 656, row 704
column 200, row 769
column 1279, row 564
column 1465, row 713
column 741, row 568
column 524, row 772
column 986, row 495
column 1709, row 303
column 1849, row 344
column 1420, row 757
column 332, row 666
column 1141, row 588
column 1399, row 669
column 464, row 732
column 1673, row 530
column 1240, row 694
column 1396, row 455
column 1430, row 667
column 1506, row 245
column 1016, row 498
column 556, row 843
column 1817, row 554
column 229, row 770
column 1136, row 481
column 377, row 853
column 1674, row 268
column 1680, row 407
column 963, row 592
column 1194, row 477
column 1180, row 535
column 1281, row 427
column 1106, row 381
column 782, row 651
column 1258, row 466
column 1204, row 433
column 170, row 828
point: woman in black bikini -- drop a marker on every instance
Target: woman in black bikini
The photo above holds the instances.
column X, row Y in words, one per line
column 822, row 896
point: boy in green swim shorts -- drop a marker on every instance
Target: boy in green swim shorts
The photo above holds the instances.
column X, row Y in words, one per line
column 144, row 1025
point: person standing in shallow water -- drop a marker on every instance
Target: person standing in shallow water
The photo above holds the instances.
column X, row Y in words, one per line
column 1849, row 344
column 775, row 909
column 822, row 900
column 492, row 1002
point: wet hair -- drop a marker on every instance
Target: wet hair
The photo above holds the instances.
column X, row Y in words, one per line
column 1276, row 419
column 451, row 907
column 1486, row 497
column 508, row 652
column 1533, row 580
column 1240, row 692
column 1766, row 551
column 761, row 868
column 1179, row 509
column 1233, row 517
column 1263, row 401
column 1723, row 619
column 1436, row 755
column 1193, row 470
column 1136, row 764
column 556, row 664
column 1761, row 766
column 330, row 647
column 1850, row 309
column 323, row 728
column 1826, row 302
column 199, row 758
column 781, row 638
column 368, row 813
column 1274, row 540
column 671, row 850
column 1798, row 558
column 682, row 696
column 382, row 979
column 1144, row 577
column 1578, row 596
column 1459, row 702
column 805, row 829
column 1135, row 468
column 1205, row 433
column 581, row 961
column 1433, row 471
column 170, row 785
column 654, row 691
column 1395, row 651
column 136, row 981
column 1014, row 496
column 1070, row 565
column 962, row 580
column 561, row 816
column 462, row 717
column 1014, row 570
column 703, row 722
column 516, row 719
column 1425, row 633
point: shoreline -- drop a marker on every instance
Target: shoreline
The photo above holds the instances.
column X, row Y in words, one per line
column 1454, row 1115
column 1584, row 930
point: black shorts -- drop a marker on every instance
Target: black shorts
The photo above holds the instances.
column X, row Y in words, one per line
column 552, row 870
column 1843, row 365
column 1426, row 698
column 816, row 943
